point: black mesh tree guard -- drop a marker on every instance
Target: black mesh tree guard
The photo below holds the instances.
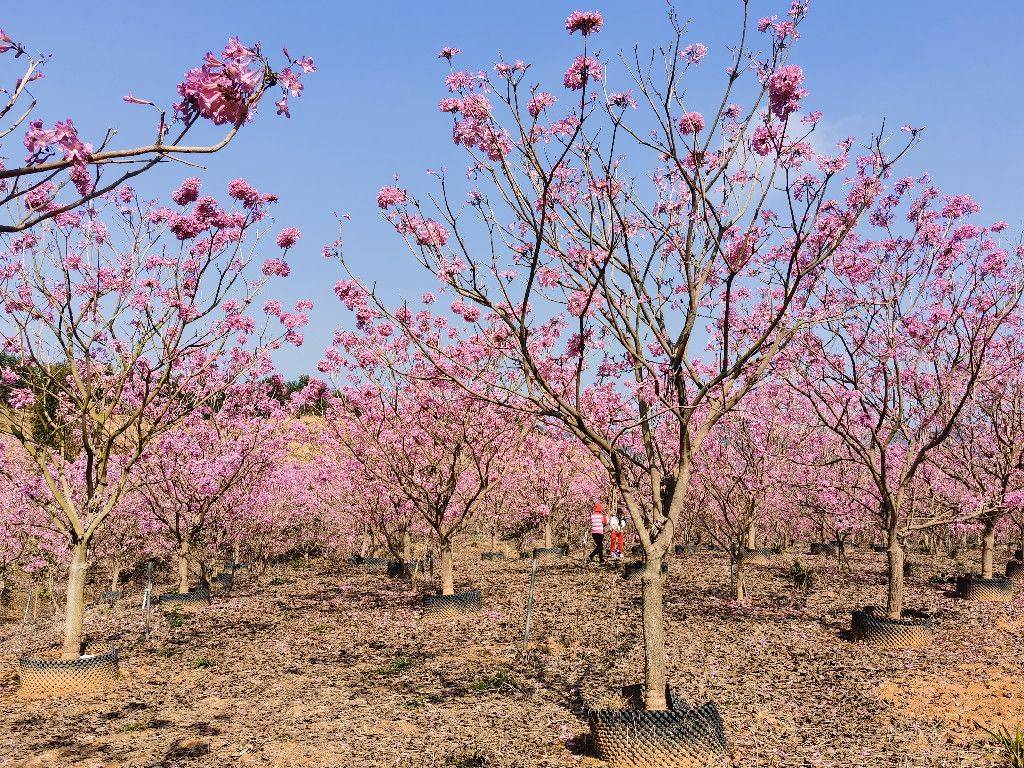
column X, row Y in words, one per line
column 759, row 556
column 492, row 556
column 819, row 548
column 400, row 569
column 870, row 625
column 685, row 549
column 547, row 554
column 450, row 606
column 998, row 589
column 192, row 597
column 679, row 737
column 56, row 677
column 1014, row 570
column 110, row 596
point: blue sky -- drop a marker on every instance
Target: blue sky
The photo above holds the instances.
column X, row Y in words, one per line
column 370, row 111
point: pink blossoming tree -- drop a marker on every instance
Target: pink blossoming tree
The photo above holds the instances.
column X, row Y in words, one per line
column 917, row 312
column 636, row 263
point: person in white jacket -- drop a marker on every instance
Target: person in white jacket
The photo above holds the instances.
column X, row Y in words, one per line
column 617, row 527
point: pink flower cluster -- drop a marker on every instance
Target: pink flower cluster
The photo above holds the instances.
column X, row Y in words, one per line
column 582, row 69
column 188, row 192
column 764, row 140
column 691, row 122
column 288, row 237
column 248, row 195
column 41, row 198
column 426, row 231
column 390, row 196
column 623, row 100
column 694, row 53
column 476, row 130
column 6, row 43
column 538, row 103
column 63, row 136
column 584, row 22
column 784, row 91
column 221, row 89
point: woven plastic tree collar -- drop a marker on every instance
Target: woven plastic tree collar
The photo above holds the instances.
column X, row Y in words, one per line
column 195, row 596
column 870, row 625
column 680, row 737
column 995, row 590
column 57, row 677
column 450, row 606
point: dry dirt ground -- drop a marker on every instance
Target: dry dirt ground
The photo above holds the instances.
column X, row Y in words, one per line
column 324, row 666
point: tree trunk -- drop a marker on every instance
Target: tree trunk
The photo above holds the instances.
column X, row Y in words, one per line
column 844, row 563
column 739, row 583
column 115, row 576
column 655, row 674
column 988, row 546
column 236, row 551
column 894, row 604
column 547, row 532
column 406, row 547
column 183, row 567
column 447, row 580
column 74, row 606
column 752, row 537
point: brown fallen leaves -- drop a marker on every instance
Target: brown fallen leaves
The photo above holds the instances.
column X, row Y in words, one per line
column 327, row 667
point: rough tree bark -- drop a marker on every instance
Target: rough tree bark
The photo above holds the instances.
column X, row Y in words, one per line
column 988, row 547
column 447, row 579
column 74, row 609
column 183, row 553
column 655, row 662
column 894, row 604
column 739, row 582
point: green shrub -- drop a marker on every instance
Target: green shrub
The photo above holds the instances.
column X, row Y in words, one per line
column 802, row 576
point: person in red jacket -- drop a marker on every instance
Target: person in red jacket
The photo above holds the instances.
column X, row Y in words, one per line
column 598, row 521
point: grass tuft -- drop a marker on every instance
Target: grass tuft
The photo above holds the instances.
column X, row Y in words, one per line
column 1011, row 744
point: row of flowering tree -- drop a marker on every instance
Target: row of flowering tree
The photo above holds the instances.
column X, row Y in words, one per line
column 428, row 447
column 129, row 318
column 917, row 311
column 126, row 317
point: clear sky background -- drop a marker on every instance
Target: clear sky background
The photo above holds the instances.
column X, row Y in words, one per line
column 371, row 110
